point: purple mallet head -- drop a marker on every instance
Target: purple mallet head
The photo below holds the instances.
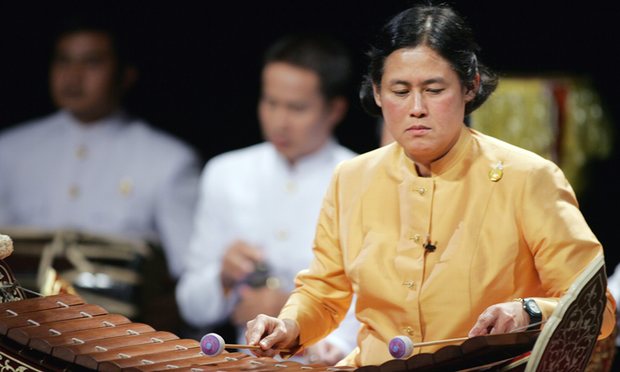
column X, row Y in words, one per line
column 212, row 344
column 401, row 347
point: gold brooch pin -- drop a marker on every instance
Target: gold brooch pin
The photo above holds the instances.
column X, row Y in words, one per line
column 497, row 172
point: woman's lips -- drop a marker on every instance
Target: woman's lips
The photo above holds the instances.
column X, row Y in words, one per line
column 418, row 129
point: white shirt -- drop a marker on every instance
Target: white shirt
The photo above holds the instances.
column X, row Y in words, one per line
column 254, row 195
column 117, row 176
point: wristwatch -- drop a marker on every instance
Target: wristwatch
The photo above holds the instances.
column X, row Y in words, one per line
column 531, row 308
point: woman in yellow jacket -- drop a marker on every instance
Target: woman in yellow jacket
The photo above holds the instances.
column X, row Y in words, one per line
column 440, row 231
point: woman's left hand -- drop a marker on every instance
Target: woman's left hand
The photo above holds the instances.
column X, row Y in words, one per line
column 500, row 318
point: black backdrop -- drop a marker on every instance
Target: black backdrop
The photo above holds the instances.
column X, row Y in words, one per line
column 200, row 61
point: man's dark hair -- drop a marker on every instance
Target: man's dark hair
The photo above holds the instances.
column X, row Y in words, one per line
column 87, row 22
column 322, row 54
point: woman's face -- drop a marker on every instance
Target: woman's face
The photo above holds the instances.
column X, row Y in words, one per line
column 423, row 102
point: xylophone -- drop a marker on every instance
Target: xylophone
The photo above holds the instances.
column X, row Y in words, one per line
column 64, row 333
column 61, row 332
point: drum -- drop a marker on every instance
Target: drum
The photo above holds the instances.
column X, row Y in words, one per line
column 102, row 269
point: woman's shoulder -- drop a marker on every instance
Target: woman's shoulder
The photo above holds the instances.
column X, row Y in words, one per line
column 520, row 158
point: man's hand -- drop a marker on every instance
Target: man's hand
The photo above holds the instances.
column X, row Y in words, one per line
column 254, row 301
column 500, row 318
column 238, row 262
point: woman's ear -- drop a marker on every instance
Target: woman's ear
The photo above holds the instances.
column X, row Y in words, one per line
column 472, row 90
column 375, row 93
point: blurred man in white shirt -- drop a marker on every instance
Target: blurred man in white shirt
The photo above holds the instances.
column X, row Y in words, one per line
column 259, row 205
column 92, row 167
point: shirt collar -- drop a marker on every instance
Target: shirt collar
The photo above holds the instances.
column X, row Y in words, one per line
column 455, row 155
column 104, row 125
column 445, row 163
column 317, row 158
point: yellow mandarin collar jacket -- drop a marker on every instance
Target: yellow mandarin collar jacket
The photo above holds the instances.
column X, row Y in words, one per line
column 504, row 221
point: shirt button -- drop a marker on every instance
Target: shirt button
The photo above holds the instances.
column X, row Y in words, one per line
column 409, row 284
column 415, row 237
column 421, row 190
column 125, row 187
column 74, row 191
column 81, row 152
column 282, row 235
column 291, row 187
column 408, row 330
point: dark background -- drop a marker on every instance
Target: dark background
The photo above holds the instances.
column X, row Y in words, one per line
column 200, row 64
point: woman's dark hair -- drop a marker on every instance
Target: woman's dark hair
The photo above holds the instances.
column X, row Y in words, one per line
column 439, row 28
column 320, row 53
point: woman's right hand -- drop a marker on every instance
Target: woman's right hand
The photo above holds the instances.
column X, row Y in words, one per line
column 271, row 334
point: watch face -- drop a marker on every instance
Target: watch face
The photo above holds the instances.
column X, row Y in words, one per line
column 533, row 306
